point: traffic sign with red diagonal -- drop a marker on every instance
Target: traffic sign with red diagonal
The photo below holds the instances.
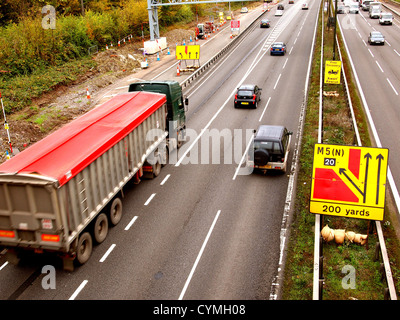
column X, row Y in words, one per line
column 349, row 181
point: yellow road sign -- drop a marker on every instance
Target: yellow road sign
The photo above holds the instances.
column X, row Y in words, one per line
column 332, row 72
column 191, row 52
column 349, row 181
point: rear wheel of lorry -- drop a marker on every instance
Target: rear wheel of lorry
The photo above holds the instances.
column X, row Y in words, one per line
column 116, row 211
column 84, row 248
column 156, row 168
column 100, row 228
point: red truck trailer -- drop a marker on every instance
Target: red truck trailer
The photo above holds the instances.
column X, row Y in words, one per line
column 63, row 192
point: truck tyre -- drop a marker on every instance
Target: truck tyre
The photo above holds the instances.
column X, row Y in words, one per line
column 100, row 228
column 157, row 168
column 84, row 248
column 116, row 211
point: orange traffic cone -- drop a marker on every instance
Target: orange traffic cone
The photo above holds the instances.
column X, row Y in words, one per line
column 87, row 93
column 178, row 72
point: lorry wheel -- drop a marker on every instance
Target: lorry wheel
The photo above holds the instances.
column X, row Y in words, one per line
column 100, row 228
column 116, row 211
column 156, row 168
column 84, row 248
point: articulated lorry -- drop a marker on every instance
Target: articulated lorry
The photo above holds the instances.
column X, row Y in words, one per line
column 62, row 193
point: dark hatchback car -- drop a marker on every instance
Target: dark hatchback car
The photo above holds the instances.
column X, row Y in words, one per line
column 375, row 37
column 278, row 48
column 247, row 95
column 271, row 148
column 265, row 23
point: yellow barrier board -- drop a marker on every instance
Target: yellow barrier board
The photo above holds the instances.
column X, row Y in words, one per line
column 349, row 181
column 190, row 52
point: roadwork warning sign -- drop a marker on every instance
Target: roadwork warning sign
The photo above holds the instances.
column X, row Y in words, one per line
column 349, row 181
column 191, row 52
column 332, row 72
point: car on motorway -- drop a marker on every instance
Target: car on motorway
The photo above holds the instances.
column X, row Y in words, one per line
column 291, row 1
column 304, row 6
column 341, row 8
column 280, row 7
column 271, row 148
column 278, row 13
column 354, row 7
column 365, row 5
column 386, row 18
column 247, row 95
column 376, row 37
column 244, row 10
column 278, row 48
column 265, row 23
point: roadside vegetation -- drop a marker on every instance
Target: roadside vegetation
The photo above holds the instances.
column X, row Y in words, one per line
column 298, row 282
column 35, row 60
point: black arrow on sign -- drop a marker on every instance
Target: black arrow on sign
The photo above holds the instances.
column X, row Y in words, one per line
column 343, row 171
column 380, row 158
column 367, row 156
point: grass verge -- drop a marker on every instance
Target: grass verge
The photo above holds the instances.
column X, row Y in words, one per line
column 298, row 281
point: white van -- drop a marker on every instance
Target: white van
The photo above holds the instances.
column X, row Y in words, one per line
column 386, row 18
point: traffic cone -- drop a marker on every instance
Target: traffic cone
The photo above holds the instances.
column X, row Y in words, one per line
column 184, row 43
column 106, row 47
column 191, row 39
column 178, row 72
column 158, row 56
column 119, row 43
column 231, row 36
column 87, row 94
column 168, row 51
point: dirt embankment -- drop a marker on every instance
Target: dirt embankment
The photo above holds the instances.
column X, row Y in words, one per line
column 66, row 102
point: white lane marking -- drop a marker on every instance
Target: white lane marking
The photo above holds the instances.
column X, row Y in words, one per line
column 266, row 106
column 365, row 44
column 3, row 265
column 284, row 65
column 149, row 199
column 165, row 180
column 378, row 65
column 369, row 50
column 77, row 291
column 129, row 225
column 396, row 52
column 104, row 257
column 291, row 50
column 199, row 256
column 392, row 87
column 276, row 83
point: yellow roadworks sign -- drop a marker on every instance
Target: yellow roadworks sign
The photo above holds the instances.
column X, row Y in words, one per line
column 191, row 52
column 349, row 181
column 332, row 72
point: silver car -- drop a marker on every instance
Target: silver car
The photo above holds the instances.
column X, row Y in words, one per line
column 375, row 37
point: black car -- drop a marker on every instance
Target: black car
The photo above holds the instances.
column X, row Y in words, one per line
column 280, row 7
column 278, row 48
column 265, row 23
column 271, row 148
column 247, row 95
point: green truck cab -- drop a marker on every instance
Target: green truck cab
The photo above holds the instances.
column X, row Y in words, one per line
column 176, row 106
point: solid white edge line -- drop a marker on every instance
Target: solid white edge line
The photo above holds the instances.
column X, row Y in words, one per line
column 199, row 256
column 77, row 291
column 129, row 225
column 104, row 257
column 149, row 199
